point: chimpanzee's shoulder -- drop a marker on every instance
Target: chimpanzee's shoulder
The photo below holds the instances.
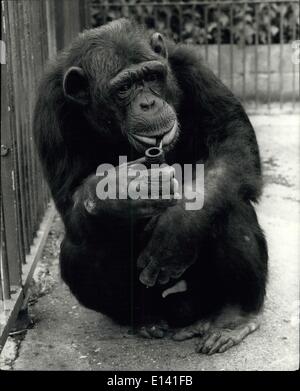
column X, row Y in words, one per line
column 183, row 56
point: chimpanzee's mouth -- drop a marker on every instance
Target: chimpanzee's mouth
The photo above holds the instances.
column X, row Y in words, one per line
column 155, row 139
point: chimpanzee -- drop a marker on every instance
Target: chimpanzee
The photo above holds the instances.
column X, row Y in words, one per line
column 153, row 264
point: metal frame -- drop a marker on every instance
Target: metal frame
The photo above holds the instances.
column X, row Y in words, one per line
column 268, row 88
column 30, row 32
column 16, row 294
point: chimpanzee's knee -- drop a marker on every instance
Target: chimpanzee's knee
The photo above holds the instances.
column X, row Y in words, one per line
column 242, row 258
column 232, row 268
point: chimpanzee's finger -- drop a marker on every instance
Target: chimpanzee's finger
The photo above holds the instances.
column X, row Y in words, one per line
column 163, row 277
column 137, row 161
column 151, row 225
column 149, row 208
column 143, row 259
column 153, row 247
column 149, row 274
column 167, row 190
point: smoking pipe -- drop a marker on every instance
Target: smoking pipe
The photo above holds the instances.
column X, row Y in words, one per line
column 155, row 155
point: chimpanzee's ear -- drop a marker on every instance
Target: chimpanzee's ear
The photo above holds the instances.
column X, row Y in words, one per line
column 75, row 85
column 158, row 45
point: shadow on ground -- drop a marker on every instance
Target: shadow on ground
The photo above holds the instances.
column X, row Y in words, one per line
column 67, row 336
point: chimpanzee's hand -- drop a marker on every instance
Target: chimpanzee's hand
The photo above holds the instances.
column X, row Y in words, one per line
column 172, row 247
column 126, row 206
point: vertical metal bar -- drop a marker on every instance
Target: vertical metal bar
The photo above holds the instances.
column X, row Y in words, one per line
column 193, row 17
column 12, row 92
column 1, row 289
column 60, row 24
column 42, row 203
column 5, row 286
column 269, row 55
column 256, row 55
column 180, row 22
column 140, row 17
column 206, row 32
column 43, row 57
column 280, row 56
column 42, row 53
column 84, row 14
column 28, row 44
column 33, row 76
column 17, row 125
column 105, row 13
column 26, row 91
column 66, row 26
column 244, row 52
column 12, row 124
column 21, row 85
column 50, row 28
column 36, row 46
column 293, row 65
column 219, row 37
column 169, row 24
column 8, row 185
column 18, row 173
column 4, row 270
column 155, row 10
column 231, row 46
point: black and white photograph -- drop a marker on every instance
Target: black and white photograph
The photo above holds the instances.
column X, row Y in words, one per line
column 150, row 188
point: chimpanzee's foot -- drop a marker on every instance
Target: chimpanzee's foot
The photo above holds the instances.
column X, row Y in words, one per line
column 198, row 328
column 153, row 330
column 228, row 329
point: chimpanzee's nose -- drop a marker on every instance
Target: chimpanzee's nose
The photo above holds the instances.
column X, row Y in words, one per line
column 147, row 105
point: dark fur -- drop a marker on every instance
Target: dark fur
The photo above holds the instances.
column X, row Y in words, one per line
column 98, row 256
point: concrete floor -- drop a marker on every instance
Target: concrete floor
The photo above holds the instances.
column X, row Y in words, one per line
column 67, row 336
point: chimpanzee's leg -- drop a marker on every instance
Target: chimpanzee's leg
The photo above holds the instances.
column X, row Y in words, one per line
column 104, row 277
column 97, row 277
column 232, row 276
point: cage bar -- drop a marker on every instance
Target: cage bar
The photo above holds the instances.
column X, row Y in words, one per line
column 269, row 56
column 256, row 57
column 281, row 57
column 294, row 33
column 231, row 47
column 244, row 52
column 219, row 39
column 260, row 91
column 25, row 196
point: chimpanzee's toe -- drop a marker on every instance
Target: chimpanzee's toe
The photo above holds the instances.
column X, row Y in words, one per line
column 153, row 330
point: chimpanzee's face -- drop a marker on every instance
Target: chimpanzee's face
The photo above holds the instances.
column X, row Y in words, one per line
column 140, row 93
column 137, row 102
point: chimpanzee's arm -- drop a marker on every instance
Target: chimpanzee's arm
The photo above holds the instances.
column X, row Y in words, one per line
column 232, row 174
column 232, row 167
column 232, row 171
column 64, row 169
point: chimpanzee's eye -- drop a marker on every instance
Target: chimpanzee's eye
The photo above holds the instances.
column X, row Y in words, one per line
column 151, row 77
column 124, row 89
